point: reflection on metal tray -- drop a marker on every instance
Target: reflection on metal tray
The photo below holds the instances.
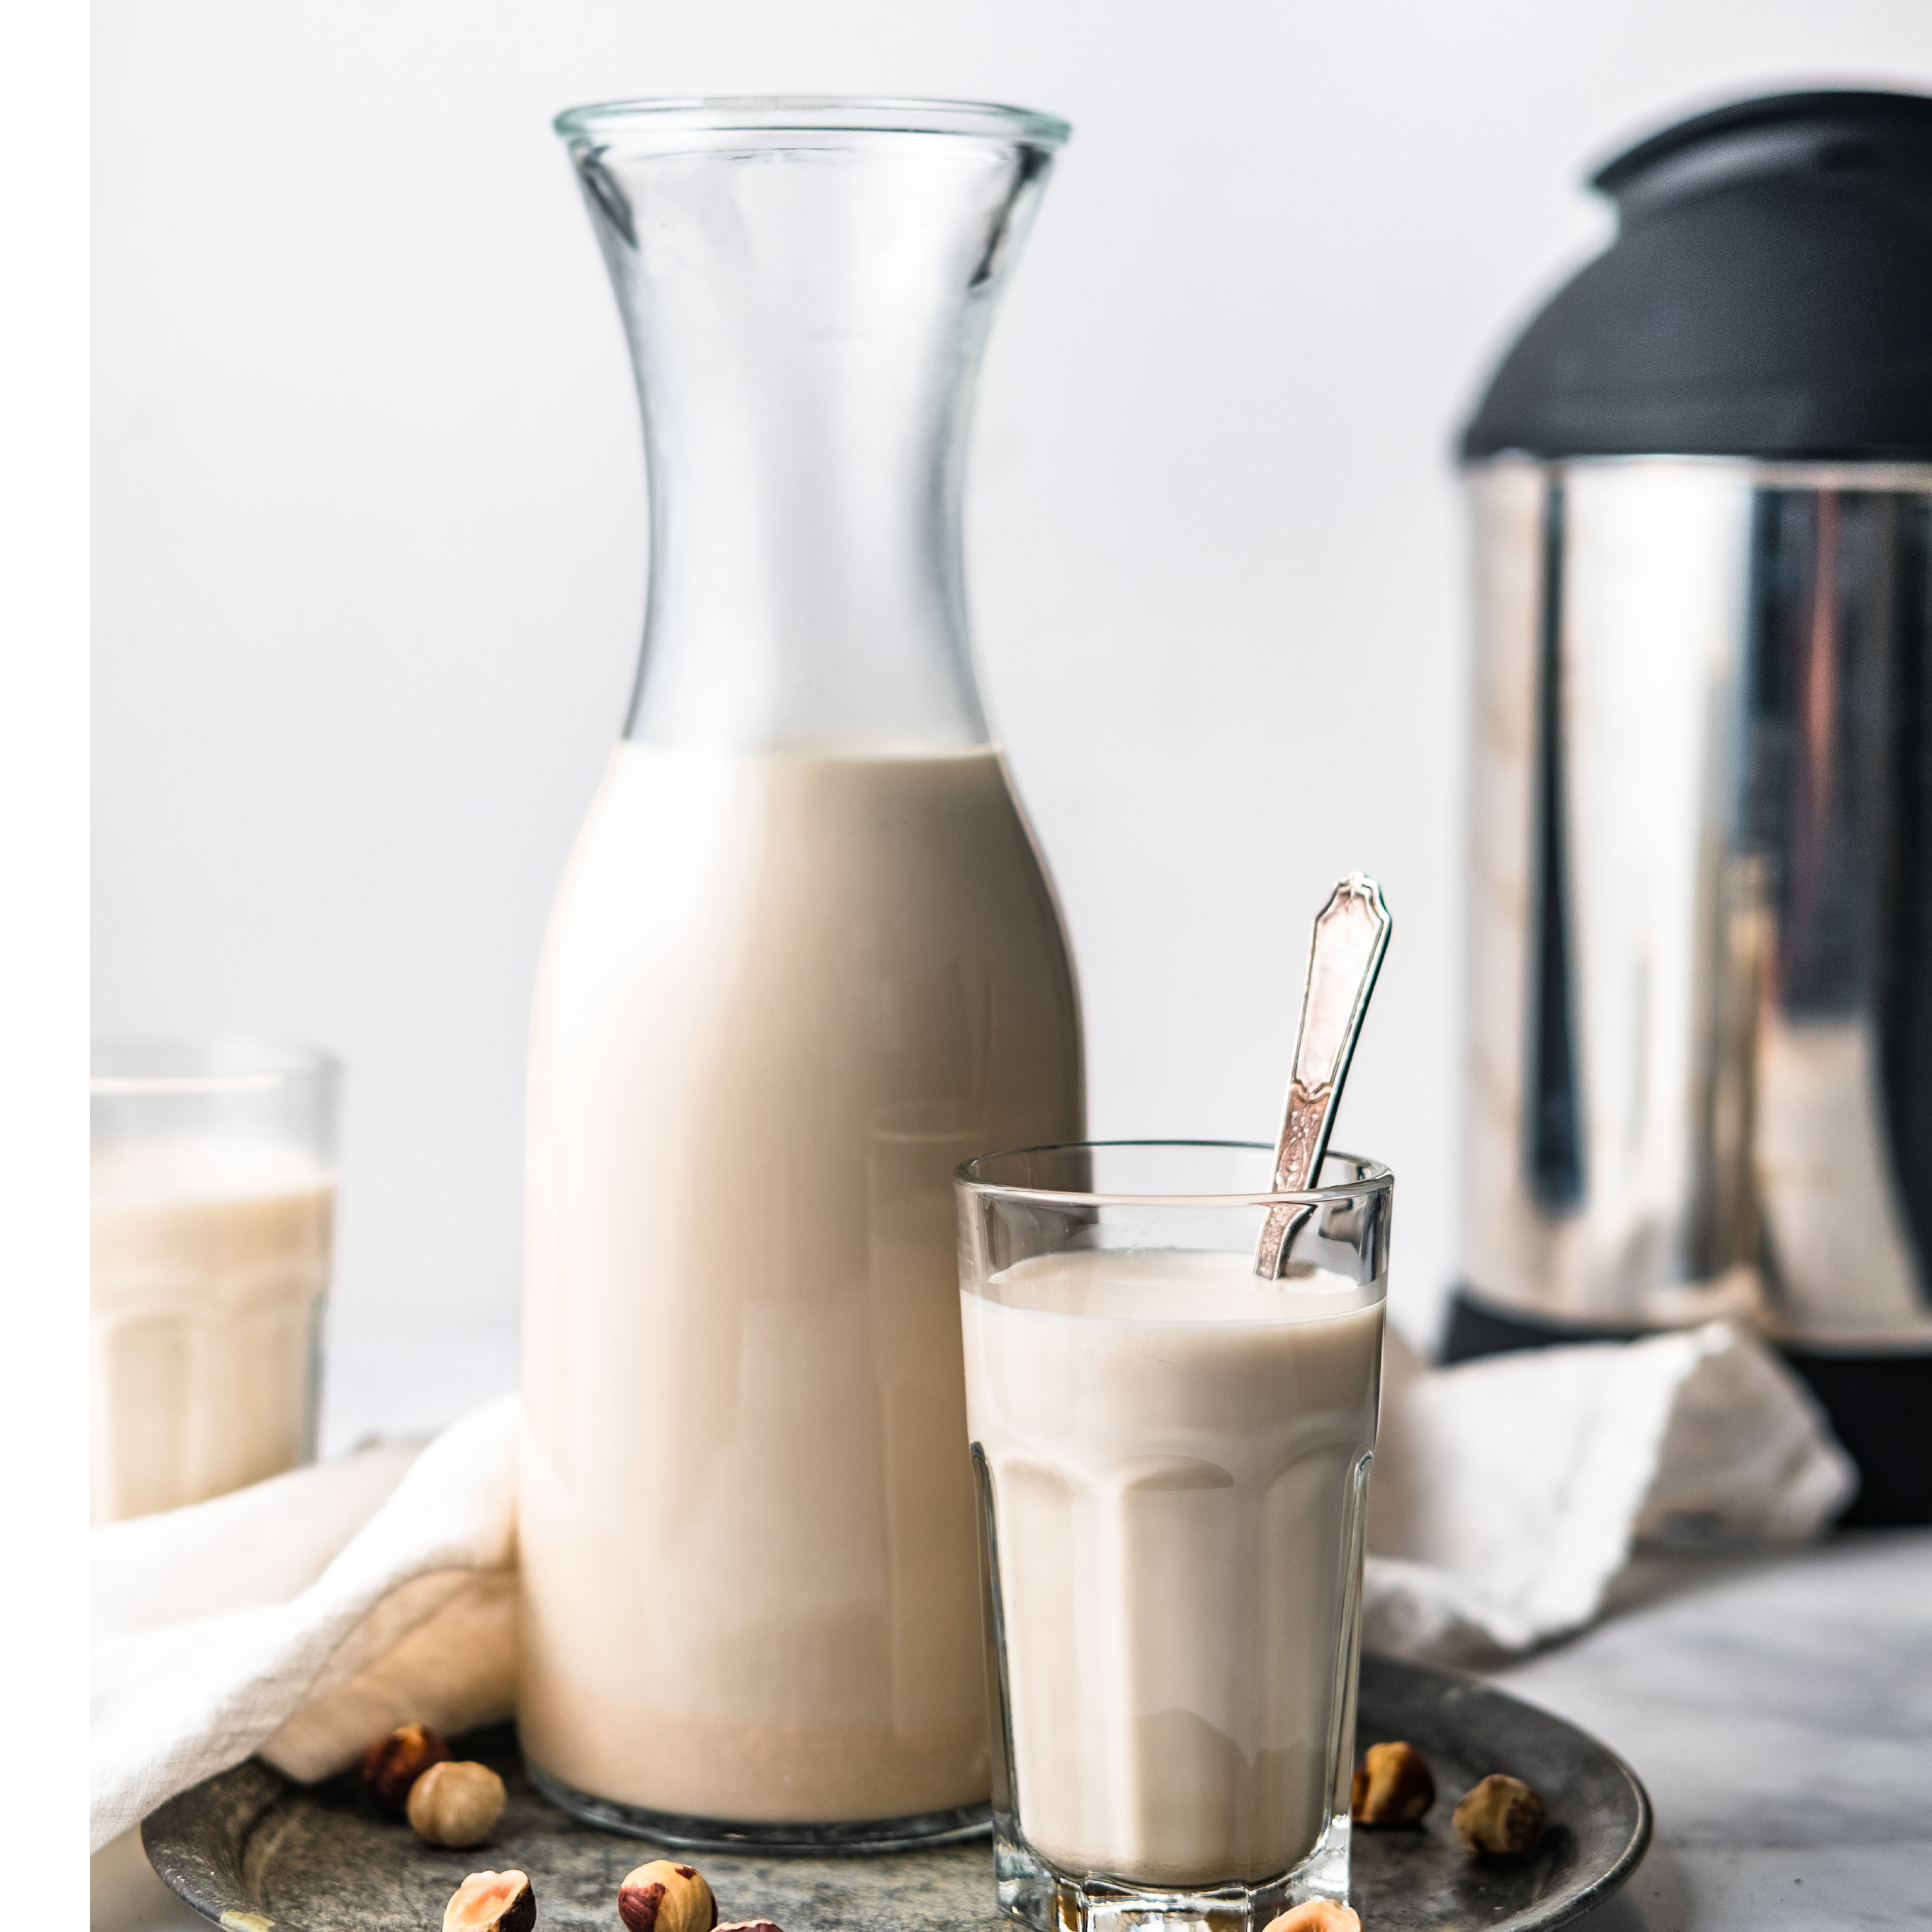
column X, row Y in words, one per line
column 254, row 1852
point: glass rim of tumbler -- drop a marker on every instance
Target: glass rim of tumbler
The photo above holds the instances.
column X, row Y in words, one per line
column 1374, row 1177
column 167, row 1064
column 643, row 122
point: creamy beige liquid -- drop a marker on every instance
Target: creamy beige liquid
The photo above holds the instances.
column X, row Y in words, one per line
column 1174, row 1450
column 780, row 999
column 209, row 1261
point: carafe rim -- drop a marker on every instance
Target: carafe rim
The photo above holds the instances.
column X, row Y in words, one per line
column 642, row 122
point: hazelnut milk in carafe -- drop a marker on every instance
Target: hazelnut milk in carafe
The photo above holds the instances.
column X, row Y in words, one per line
column 804, row 960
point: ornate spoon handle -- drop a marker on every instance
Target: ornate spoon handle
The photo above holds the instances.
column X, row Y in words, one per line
column 1351, row 934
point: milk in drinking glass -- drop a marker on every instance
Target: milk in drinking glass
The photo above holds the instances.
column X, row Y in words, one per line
column 1172, row 1455
column 212, row 1213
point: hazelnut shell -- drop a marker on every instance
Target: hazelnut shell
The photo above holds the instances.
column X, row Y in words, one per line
column 1317, row 1915
column 1499, row 1818
column 456, row 1804
column 666, row 1897
column 492, row 1902
column 392, row 1765
column 749, row 1925
column 1393, row 1786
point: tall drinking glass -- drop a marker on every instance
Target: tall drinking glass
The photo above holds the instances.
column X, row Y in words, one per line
column 1173, row 1458
column 213, row 1211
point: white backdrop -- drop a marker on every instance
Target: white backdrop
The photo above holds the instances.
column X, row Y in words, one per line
column 369, row 553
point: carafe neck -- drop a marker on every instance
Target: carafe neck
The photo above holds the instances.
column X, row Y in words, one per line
column 806, row 306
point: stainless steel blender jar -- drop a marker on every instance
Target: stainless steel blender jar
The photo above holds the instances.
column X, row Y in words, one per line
column 1699, row 1020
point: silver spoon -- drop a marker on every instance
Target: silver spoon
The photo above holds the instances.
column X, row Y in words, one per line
column 1351, row 934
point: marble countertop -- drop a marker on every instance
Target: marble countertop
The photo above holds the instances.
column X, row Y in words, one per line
column 1778, row 1708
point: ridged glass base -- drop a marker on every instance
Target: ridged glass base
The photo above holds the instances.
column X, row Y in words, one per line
column 1039, row 1893
column 721, row 1835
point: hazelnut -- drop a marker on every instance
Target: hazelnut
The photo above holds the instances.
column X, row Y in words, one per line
column 1393, row 1786
column 491, row 1902
column 456, row 1804
column 392, row 1765
column 661, row 1896
column 749, row 1925
column 1500, row 1818
column 1318, row 1914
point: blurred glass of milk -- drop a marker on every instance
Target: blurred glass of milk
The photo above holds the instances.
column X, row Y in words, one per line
column 213, row 1209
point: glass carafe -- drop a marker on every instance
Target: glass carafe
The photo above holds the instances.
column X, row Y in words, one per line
column 804, row 959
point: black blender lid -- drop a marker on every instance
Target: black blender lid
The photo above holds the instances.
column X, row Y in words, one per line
column 1769, row 294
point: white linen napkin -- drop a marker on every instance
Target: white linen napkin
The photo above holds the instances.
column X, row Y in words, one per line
column 1509, row 1492
column 305, row 1616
